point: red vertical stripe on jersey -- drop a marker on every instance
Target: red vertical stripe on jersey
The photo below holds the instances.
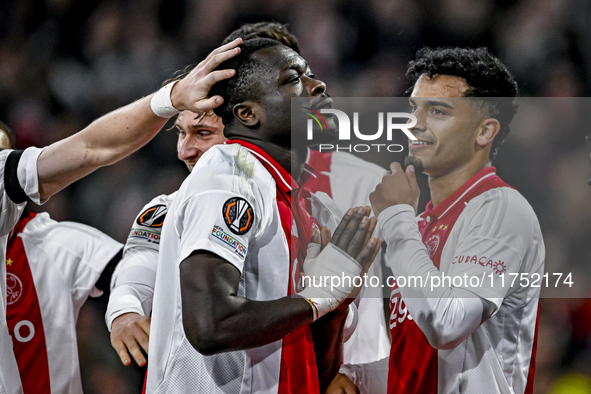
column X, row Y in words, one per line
column 298, row 372
column 24, row 317
column 321, row 162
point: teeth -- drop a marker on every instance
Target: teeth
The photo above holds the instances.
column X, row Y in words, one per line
column 419, row 143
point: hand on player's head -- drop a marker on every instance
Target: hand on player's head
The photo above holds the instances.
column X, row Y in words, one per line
column 192, row 92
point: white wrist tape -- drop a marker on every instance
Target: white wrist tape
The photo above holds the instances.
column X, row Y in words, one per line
column 329, row 278
column 162, row 104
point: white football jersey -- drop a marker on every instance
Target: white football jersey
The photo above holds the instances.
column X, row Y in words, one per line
column 132, row 285
column 482, row 235
column 133, row 281
column 339, row 171
column 52, row 271
column 229, row 206
column 26, row 174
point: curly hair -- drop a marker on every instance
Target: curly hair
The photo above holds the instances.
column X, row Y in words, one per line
column 488, row 80
column 272, row 30
column 246, row 84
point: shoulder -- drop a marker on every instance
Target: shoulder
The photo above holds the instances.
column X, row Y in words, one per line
column 500, row 211
column 43, row 230
column 228, row 168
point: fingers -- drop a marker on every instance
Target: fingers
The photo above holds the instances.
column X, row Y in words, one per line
column 129, row 336
column 325, row 235
column 215, row 76
column 145, row 324
column 133, row 346
column 373, row 222
column 342, row 385
column 368, row 253
column 214, row 59
column 348, row 233
column 342, row 225
column 412, row 179
column 207, row 104
column 395, row 167
column 210, row 63
column 358, row 240
column 121, row 350
column 316, row 238
column 226, row 47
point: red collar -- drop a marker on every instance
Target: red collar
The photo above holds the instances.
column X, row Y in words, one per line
column 282, row 178
column 463, row 194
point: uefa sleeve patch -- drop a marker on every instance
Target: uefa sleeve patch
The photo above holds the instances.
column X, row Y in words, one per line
column 238, row 215
column 229, row 241
column 153, row 216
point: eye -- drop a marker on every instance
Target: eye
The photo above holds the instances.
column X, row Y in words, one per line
column 412, row 109
column 437, row 111
column 179, row 131
column 295, row 79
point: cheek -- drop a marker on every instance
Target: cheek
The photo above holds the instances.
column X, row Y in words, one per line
column 206, row 145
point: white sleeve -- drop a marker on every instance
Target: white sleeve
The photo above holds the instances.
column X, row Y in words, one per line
column 133, row 282
column 494, row 227
column 78, row 251
column 218, row 221
column 25, row 181
column 370, row 378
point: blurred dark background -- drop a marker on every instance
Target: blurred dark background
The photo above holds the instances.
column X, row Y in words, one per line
column 64, row 63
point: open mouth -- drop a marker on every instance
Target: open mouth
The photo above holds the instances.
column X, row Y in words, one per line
column 419, row 143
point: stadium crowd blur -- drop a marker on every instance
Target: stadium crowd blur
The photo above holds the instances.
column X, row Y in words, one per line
column 64, row 62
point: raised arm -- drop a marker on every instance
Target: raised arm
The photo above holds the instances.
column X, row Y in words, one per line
column 123, row 131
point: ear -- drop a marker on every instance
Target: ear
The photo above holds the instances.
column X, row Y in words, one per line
column 488, row 130
column 248, row 113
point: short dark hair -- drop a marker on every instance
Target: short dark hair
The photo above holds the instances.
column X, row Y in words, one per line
column 6, row 130
column 273, row 30
column 486, row 76
column 245, row 85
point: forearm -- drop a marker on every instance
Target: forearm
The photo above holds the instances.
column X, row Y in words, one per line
column 105, row 141
column 327, row 333
column 216, row 319
column 133, row 284
column 242, row 324
column 446, row 315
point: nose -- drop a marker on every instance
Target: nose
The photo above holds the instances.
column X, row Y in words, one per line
column 187, row 148
column 420, row 126
column 316, row 87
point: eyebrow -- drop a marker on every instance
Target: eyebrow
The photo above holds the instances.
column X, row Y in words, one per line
column 434, row 103
column 292, row 63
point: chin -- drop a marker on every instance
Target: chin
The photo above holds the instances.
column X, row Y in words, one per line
column 416, row 162
column 327, row 135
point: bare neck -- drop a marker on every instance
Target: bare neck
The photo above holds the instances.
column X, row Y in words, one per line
column 444, row 185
